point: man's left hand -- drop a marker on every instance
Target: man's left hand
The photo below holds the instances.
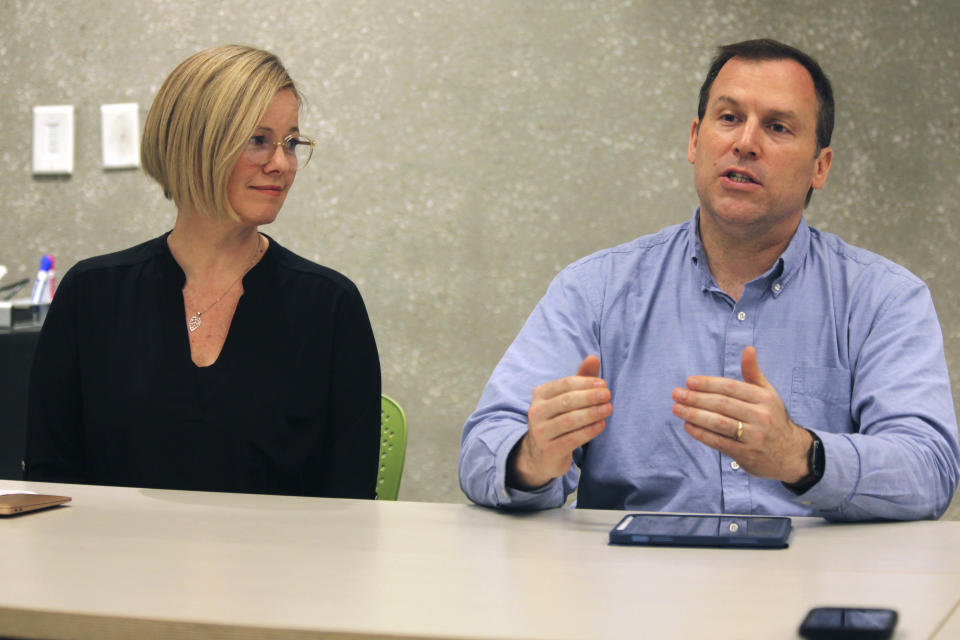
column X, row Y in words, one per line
column 714, row 409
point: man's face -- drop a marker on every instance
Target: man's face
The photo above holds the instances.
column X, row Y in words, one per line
column 754, row 154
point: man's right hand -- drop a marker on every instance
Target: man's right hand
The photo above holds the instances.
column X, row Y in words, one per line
column 564, row 414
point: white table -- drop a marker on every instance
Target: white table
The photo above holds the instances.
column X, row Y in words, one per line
column 136, row 563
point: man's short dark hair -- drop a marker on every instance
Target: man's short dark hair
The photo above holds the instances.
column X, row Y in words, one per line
column 765, row 49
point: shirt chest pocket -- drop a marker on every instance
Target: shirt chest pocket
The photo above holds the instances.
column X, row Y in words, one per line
column 820, row 399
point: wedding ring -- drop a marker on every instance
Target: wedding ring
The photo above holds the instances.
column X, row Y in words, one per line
column 739, row 430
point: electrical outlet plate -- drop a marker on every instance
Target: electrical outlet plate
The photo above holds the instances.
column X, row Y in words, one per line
column 53, row 140
column 120, row 126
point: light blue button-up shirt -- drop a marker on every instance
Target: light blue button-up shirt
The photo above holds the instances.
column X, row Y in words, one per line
column 850, row 341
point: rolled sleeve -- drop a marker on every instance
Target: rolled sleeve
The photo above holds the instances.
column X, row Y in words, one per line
column 483, row 473
column 559, row 333
column 840, row 475
column 902, row 462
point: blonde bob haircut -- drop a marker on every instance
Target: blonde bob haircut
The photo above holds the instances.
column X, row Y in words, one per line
column 201, row 119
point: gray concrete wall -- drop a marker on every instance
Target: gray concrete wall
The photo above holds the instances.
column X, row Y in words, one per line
column 468, row 150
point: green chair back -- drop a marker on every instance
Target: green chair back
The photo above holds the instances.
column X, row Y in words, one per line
column 393, row 448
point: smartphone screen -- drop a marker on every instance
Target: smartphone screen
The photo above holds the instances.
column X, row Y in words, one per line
column 823, row 623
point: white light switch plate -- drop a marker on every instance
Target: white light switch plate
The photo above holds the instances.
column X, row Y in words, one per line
column 120, row 125
column 53, row 140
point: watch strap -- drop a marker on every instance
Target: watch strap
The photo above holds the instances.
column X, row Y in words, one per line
column 816, row 461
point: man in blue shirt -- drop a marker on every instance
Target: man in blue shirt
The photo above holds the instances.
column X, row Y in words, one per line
column 740, row 362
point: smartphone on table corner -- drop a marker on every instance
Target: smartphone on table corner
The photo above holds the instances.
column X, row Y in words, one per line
column 848, row 623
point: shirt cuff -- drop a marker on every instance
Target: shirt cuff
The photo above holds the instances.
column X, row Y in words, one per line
column 841, row 474
column 545, row 497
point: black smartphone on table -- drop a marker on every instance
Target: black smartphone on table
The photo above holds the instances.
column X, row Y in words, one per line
column 848, row 623
column 702, row 530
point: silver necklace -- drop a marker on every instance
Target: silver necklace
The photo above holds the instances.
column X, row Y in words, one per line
column 193, row 322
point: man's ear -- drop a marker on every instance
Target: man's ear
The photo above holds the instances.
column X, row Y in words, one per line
column 822, row 167
column 692, row 145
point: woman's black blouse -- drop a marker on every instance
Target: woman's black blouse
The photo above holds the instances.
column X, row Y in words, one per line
column 291, row 406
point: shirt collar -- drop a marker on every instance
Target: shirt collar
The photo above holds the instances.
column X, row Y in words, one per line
column 782, row 271
column 696, row 253
column 794, row 255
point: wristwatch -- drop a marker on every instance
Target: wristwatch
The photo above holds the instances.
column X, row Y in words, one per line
column 816, row 460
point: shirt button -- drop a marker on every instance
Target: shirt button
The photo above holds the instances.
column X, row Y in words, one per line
column 734, row 527
column 734, row 465
column 777, row 287
column 741, row 316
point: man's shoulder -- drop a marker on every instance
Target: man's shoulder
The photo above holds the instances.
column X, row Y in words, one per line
column 858, row 260
column 639, row 250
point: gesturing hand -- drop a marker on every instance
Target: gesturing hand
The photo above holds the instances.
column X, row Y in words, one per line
column 564, row 414
column 745, row 420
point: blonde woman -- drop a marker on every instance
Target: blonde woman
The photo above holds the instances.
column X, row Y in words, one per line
column 211, row 358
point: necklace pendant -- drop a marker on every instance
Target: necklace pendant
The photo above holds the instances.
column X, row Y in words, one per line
column 193, row 322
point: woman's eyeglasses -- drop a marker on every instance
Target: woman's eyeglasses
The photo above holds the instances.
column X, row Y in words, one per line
column 298, row 149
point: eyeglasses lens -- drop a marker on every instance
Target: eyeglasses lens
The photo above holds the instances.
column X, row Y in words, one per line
column 260, row 149
column 303, row 150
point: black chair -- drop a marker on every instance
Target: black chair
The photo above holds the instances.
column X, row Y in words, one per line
column 16, row 356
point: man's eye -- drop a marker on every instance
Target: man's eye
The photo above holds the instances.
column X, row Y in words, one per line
column 779, row 128
column 728, row 117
